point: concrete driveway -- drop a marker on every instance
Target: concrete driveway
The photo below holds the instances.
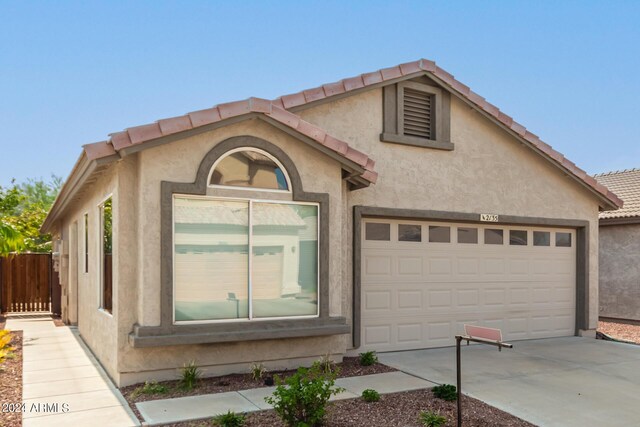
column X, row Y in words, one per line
column 569, row 381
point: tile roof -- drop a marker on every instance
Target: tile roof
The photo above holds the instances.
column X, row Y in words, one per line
column 625, row 184
column 423, row 66
column 144, row 133
column 277, row 110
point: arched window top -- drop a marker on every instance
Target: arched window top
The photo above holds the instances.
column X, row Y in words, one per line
column 249, row 168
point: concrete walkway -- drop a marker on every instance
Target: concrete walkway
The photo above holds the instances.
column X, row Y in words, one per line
column 569, row 381
column 166, row 411
column 63, row 384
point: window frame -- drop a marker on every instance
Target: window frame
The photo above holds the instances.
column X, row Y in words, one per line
column 100, row 252
column 250, row 201
column 86, row 242
column 237, row 187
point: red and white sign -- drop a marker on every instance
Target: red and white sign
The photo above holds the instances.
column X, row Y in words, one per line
column 482, row 332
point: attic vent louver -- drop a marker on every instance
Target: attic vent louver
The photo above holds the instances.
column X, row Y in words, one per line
column 418, row 114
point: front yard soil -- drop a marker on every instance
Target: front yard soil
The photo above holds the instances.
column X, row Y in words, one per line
column 621, row 330
column 350, row 367
column 397, row 409
column 11, row 385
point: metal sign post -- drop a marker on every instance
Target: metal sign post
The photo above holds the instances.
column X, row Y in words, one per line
column 480, row 335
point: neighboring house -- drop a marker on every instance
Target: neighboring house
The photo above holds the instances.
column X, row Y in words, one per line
column 620, row 248
column 381, row 212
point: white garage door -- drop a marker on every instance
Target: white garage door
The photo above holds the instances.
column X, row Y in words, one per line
column 422, row 281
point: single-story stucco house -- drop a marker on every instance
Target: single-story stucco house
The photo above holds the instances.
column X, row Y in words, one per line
column 381, row 212
column 620, row 248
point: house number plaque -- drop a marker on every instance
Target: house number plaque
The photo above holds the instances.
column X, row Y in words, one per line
column 489, row 217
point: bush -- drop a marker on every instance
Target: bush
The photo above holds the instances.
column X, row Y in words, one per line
column 257, row 371
column 432, row 419
column 190, row 375
column 326, row 363
column 230, row 419
column 370, row 395
column 5, row 345
column 149, row 387
column 445, row 392
column 301, row 399
column 368, row 358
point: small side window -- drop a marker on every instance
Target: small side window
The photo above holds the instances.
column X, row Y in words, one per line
column 467, row 235
column 439, row 234
column 541, row 238
column 563, row 240
column 518, row 237
column 493, row 236
column 409, row 233
column 377, row 231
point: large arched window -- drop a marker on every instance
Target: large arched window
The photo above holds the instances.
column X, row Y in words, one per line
column 245, row 255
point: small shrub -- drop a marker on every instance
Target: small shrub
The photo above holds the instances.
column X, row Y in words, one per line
column 5, row 345
column 301, row 399
column 326, row 363
column 149, row 387
column 230, row 419
column 368, row 358
column 370, row 395
column 432, row 419
column 257, row 371
column 190, row 375
column 446, row 392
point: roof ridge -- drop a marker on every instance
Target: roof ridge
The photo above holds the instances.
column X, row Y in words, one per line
column 616, row 172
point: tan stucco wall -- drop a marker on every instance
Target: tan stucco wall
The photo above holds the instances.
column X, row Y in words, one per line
column 179, row 162
column 489, row 171
column 620, row 271
column 97, row 328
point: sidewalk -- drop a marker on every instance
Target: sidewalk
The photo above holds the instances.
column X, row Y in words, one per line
column 63, row 384
column 166, row 411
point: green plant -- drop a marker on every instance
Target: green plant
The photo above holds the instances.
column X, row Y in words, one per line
column 5, row 345
column 368, row 358
column 149, row 387
column 257, row 371
column 230, row 419
column 301, row 399
column 326, row 363
column 432, row 419
column 370, row 395
column 190, row 375
column 445, row 392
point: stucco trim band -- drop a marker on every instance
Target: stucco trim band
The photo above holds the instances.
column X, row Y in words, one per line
column 242, row 330
column 582, row 251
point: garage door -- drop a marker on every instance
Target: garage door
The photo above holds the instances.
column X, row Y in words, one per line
column 422, row 281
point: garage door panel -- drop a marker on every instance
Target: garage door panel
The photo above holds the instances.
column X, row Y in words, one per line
column 420, row 294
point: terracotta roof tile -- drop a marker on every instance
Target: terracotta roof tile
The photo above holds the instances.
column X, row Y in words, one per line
column 120, row 140
column 311, row 131
column 336, row 145
column 427, row 65
column 370, row 176
column 204, row 117
column 353, row 83
column 372, row 78
column 232, row 109
column 357, row 156
column 391, row 73
column 98, row 150
column 285, row 117
column 293, row 100
column 410, row 68
column 333, row 88
column 174, row 125
column 314, row 94
column 259, row 105
column 143, row 133
column 626, row 185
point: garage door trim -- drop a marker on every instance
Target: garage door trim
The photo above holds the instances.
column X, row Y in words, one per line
column 582, row 250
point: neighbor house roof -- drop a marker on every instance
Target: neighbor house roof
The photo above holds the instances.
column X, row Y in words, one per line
column 281, row 112
column 625, row 184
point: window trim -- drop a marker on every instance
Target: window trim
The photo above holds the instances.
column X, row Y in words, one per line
column 237, row 187
column 250, row 241
column 86, row 242
column 100, row 252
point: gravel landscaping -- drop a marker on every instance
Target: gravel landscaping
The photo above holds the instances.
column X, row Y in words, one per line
column 11, row 384
column 397, row 409
column 620, row 330
column 350, row 367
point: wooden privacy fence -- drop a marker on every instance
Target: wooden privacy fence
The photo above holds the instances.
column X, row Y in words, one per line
column 25, row 282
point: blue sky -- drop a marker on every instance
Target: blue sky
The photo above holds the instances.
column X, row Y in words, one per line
column 73, row 72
